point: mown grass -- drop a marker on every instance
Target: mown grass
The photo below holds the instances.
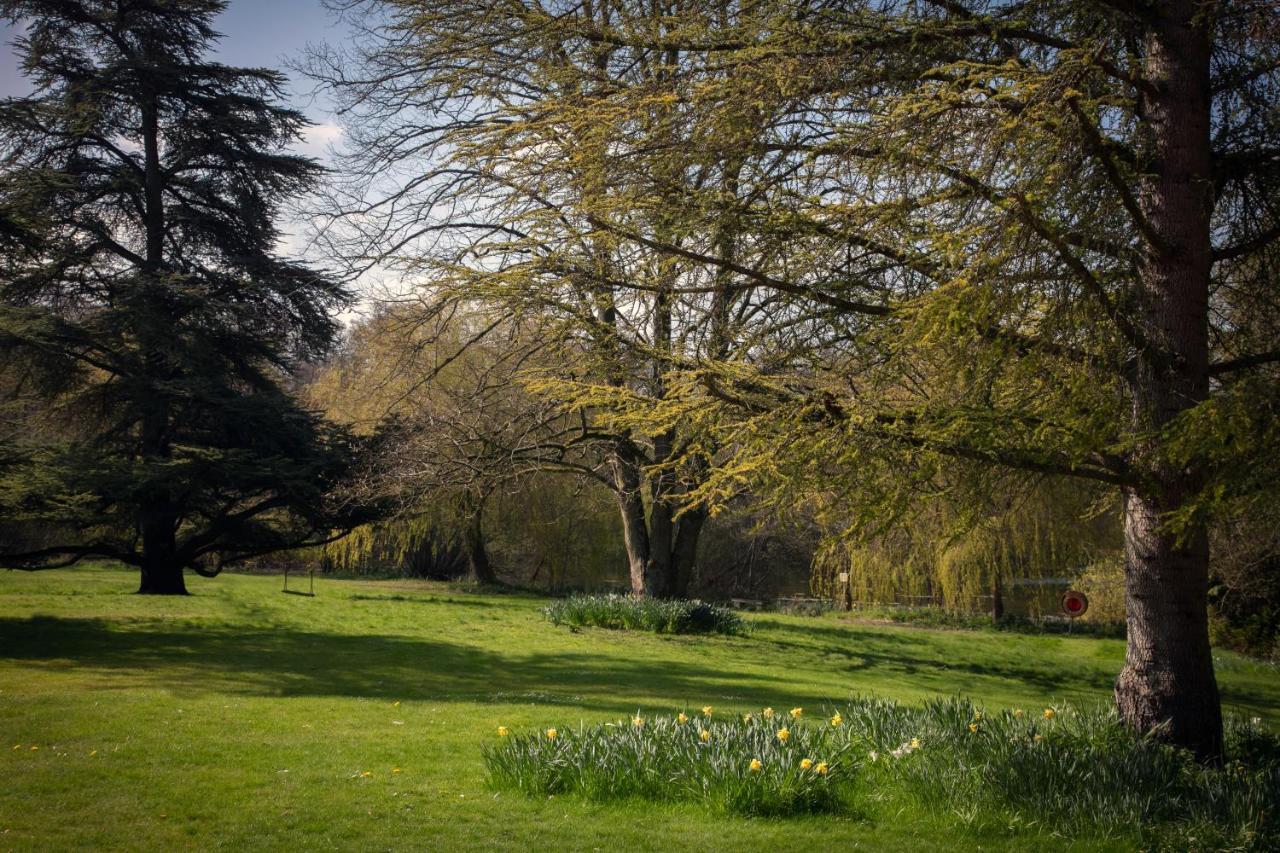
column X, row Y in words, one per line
column 242, row 718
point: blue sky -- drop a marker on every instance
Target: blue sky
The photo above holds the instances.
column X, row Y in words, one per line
column 255, row 33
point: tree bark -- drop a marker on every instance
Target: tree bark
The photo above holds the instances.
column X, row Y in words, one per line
column 161, row 572
column 684, row 555
column 661, row 550
column 1167, row 685
column 635, row 531
column 479, row 569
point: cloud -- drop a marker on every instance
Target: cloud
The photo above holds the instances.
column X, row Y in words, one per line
column 318, row 139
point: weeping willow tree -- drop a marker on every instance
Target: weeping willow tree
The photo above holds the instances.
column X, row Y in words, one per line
column 461, row 442
column 969, row 557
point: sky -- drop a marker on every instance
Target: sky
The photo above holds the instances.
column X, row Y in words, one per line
column 258, row 33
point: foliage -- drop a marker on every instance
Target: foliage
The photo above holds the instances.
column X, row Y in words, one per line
column 416, row 547
column 145, row 300
column 629, row 612
column 742, row 766
column 961, row 547
column 1244, row 592
column 1062, row 767
column 1048, row 768
column 937, row 249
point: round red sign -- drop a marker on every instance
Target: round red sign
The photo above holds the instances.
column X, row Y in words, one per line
column 1074, row 603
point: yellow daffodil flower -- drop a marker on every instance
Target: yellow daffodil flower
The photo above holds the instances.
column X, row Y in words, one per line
column 681, row 718
column 822, row 768
column 973, row 727
column 705, row 735
column 783, row 734
column 915, row 743
column 806, row 763
column 756, row 766
column 746, row 718
column 637, row 722
column 1048, row 713
column 706, row 710
column 552, row 734
column 767, row 713
column 503, row 731
column 837, row 720
column 796, row 713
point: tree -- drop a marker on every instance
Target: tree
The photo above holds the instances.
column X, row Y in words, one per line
column 1038, row 237
column 140, row 188
column 455, row 424
column 475, row 166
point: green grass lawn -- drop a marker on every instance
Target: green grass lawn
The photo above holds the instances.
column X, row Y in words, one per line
column 243, row 718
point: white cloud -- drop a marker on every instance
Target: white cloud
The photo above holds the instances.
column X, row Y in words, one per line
column 318, row 140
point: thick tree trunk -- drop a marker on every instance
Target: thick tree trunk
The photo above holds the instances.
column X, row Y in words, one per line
column 662, row 534
column 661, row 550
column 1167, row 684
column 479, row 569
column 161, row 572
column 635, row 531
column 684, row 553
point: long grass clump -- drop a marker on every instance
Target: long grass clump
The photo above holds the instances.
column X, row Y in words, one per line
column 1055, row 770
column 755, row 766
column 661, row 616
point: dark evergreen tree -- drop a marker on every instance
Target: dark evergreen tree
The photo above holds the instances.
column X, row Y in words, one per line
column 142, row 293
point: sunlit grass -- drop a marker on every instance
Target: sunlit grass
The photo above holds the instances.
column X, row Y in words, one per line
column 241, row 718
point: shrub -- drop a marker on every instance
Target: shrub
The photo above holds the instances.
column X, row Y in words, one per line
column 662, row 616
column 1046, row 770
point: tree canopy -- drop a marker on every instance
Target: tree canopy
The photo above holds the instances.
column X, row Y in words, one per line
column 143, row 293
column 967, row 246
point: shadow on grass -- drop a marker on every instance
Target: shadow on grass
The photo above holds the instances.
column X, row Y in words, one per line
column 285, row 661
column 424, row 599
column 921, row 656
column 924, row 657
